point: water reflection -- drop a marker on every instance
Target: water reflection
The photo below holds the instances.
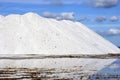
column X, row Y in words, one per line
column 110, row 72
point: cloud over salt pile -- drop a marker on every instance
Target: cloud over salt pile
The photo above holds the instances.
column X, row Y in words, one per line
column 33, row 34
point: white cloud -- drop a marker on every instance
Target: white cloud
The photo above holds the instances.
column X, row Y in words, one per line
column 103, row 3
column 110, row 32
column 100, row 19
column 114, row 31
column 114, row 18
column 67, row 15
column 61, row 16
column 83, row 19
column 49, row 15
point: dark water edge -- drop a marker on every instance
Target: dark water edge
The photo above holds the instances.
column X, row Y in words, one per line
column 37, row 56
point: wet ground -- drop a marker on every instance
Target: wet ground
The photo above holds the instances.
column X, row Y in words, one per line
column 52, row 74
column 40, row 74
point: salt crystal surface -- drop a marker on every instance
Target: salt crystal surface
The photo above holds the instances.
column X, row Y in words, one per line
column 33, row 34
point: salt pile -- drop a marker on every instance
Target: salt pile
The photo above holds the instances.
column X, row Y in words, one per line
column 33, row 34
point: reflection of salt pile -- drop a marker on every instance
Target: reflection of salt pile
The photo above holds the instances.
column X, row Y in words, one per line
column 32, row 34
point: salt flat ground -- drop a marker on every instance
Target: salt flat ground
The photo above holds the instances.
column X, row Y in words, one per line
column 59, row 69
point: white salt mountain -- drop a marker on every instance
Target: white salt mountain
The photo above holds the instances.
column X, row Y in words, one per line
column 33, row 34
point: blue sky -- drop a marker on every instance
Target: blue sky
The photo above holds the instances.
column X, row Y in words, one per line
column 102, row 16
